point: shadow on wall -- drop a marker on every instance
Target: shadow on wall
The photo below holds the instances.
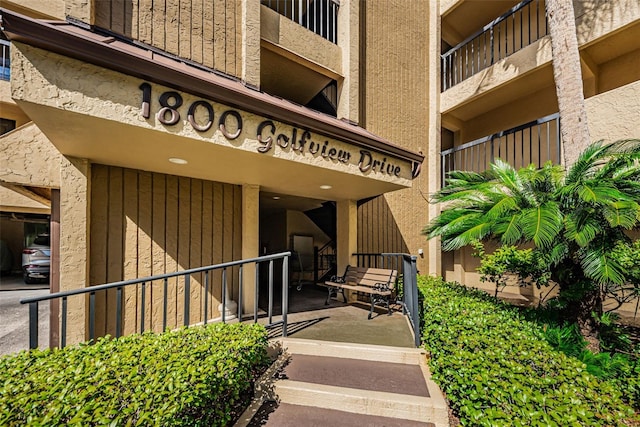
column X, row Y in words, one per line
column 378, row 230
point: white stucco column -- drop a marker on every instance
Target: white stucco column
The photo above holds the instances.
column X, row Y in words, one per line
column 347, row 234
column 250, row 242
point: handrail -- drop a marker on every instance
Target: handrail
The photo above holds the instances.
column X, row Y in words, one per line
column 120, row 285
column 496, row 40
column 409, row 272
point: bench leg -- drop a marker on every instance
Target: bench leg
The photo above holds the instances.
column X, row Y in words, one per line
column 388, row 308
column 373, row 301
column 329, row 292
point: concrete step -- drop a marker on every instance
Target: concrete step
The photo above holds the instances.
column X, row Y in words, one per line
column 288, row 415
column 320, row 380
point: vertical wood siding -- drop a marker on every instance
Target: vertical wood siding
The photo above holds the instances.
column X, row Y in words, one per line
column 208, row 32
column 144, row 224
column 378, row 230
column 394, row 77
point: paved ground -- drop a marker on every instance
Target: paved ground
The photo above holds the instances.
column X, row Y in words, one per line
column 14, row 317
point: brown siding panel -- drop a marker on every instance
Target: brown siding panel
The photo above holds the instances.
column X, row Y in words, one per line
column 145, row 224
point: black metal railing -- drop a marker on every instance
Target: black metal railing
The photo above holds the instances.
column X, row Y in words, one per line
column 407, row 286
column 319, row 16
column 535, row 142
column 5, row 60
column 144, row 286
column 324, row 261
column 516, row 29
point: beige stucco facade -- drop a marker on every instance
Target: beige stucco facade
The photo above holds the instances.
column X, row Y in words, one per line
column 127, row 212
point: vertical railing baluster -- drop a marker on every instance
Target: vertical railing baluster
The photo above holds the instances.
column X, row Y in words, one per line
column 224, row 294
column 165, row 303
column 33, row 325
column 270, row 314
column 285, row 294
column 257, row 293
column 558, row 138
column 118, row 312
column 240, row 287
column 187, row 298
column 63, row 337
column 92, row 315
column 206, row 296
column 143, row 305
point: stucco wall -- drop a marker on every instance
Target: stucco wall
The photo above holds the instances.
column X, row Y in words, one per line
column 615, row 114
column 29, row 158
column 144, row 224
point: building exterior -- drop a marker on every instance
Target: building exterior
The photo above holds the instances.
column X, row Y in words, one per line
column 175, row 134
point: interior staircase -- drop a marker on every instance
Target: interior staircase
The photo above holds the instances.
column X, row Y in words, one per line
column 321, row 383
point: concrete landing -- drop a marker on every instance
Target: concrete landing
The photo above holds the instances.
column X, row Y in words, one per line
column 320, row 383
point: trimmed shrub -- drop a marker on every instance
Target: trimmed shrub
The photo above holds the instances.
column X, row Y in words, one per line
column 497, row 369
column 192, row 376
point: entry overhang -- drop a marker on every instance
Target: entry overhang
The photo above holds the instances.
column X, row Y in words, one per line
column 74, row 114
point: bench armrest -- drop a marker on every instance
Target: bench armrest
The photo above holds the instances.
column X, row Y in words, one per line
column 337, row 279
column 382, row 287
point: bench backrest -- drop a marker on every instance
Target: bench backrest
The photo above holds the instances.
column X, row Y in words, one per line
column 365, row 276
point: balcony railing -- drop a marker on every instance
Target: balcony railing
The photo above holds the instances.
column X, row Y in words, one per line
column 319, row 16
column 5, row 64
column 535, row 142
column 516, row 29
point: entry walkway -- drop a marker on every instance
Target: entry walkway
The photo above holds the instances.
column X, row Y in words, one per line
column 337, row 368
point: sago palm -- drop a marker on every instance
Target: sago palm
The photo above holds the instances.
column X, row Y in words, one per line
column 573, row 217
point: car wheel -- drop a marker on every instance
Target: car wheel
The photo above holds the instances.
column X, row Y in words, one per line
column 28, row 280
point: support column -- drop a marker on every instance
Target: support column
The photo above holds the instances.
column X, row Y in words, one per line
column 349, row 42
column 250, row 242
column 75, row 197
column 347, row 235
column 432, row 160
column 251, row 42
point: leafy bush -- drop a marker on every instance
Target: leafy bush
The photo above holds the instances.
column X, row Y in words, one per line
column 191, row 376
column 496, row 367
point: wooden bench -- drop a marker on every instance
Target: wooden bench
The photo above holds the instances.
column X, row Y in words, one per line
column 378, row 283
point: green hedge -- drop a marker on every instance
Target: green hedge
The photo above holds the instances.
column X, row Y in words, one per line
column 193, row 376
column 497, row 369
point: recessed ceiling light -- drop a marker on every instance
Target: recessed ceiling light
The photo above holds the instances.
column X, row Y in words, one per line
column 178, row 161
column 326, row 187
column 276, row 197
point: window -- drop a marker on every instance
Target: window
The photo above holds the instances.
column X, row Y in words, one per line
column 5, row 60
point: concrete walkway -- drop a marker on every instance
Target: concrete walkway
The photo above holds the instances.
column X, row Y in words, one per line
column 321, row 383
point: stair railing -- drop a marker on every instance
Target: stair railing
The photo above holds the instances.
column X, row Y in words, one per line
column 324, row 260
column 160, row 283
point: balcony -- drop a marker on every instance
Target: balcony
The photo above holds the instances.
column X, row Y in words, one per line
column 516, row 29
column 535, row 142
column 319, row 16
column 5, row 61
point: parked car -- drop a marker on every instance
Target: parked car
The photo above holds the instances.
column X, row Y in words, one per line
column 36, row 260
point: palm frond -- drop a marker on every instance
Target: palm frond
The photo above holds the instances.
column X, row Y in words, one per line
column 623, row 214
column 581, row 230
column 476, row 233
column 583, row 166
column 542, row 224
column 509, row 230
column 599, row 265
